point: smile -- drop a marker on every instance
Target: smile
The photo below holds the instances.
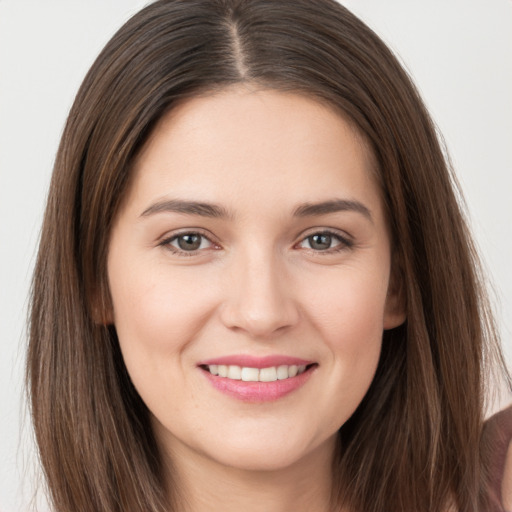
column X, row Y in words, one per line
column 248, row 374
column 250, row 379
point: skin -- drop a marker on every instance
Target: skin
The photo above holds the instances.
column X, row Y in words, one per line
column 257, row 285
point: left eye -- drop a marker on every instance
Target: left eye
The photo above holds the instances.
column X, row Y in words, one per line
column 189, row 242
column 323, row 242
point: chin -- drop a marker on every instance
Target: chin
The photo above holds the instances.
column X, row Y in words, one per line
column 269, row 455
column 260, row 460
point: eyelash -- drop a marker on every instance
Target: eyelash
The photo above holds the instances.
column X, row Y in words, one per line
column 180, row 252
column 344, row 243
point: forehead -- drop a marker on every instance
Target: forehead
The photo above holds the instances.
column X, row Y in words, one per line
column 242, row 143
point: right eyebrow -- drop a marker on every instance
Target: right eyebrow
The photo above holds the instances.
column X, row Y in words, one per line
column 187, row 207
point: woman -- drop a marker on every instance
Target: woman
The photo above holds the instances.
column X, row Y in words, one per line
column 255, row 289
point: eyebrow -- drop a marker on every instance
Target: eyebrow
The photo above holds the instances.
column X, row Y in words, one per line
column 187, row 207
column 217, row 211
column 332, row 206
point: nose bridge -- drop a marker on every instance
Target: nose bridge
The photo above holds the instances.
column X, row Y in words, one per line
column 259, row 300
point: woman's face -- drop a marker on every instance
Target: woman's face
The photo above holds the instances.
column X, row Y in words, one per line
column 249, row 269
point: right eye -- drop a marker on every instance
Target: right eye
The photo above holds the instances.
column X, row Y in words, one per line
column 187, row 244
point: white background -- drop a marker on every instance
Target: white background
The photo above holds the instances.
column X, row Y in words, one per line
column 458, row 51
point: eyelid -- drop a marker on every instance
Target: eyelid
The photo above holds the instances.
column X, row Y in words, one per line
column 345, row 240
column 166, row 240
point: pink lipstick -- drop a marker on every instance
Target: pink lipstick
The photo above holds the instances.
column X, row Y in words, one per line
column 257, row 379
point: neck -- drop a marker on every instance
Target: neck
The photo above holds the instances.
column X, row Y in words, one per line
column 204, row 485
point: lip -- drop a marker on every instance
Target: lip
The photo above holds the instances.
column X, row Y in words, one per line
column 258, row 391
column 256, row 362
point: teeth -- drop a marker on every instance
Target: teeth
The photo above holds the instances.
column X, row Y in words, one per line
column 250, row 374
column 246, row 374
column 282, row 372
column 268, row 374
column 234, row 372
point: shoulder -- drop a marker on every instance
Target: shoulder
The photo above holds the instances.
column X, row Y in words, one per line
column 506, row 485
column 497, row 455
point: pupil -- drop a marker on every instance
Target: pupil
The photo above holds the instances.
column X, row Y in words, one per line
column 189, row 242
column 320, row 242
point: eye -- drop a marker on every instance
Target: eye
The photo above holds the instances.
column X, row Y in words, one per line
column 325, row 241
column 187, row 243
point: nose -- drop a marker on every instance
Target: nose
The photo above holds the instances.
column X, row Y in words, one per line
column 259, row 299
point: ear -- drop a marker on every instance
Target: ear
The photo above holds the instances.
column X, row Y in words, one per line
column 395, row 311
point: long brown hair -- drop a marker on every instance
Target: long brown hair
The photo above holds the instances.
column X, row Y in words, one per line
column 413, row 443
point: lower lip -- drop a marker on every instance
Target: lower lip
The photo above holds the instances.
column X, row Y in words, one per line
column 258, row 391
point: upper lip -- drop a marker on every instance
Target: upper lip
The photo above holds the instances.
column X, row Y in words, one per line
column 248, row 361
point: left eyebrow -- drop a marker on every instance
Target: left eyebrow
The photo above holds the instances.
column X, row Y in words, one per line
column 332, row 206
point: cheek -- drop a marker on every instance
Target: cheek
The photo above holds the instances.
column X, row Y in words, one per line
column 348, row 307
column 157, row 312
column 348, row 315
column 157, row 315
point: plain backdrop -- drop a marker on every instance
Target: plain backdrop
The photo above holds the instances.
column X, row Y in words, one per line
column 458, row 51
